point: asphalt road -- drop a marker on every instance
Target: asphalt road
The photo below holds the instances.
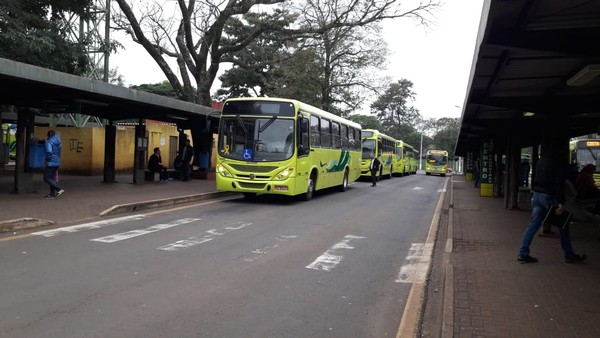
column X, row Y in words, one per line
column 340, row 265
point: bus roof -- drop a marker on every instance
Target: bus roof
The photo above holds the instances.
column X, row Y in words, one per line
column 302, row 107
column 377, row 132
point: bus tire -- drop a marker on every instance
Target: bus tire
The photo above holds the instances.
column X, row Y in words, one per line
column 310, row 188
column 344, row 185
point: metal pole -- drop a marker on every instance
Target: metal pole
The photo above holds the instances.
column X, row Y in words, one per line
column 421, row 154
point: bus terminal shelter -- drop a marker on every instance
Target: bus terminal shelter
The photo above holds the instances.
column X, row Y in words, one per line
column 534, row 81
column 40, row 94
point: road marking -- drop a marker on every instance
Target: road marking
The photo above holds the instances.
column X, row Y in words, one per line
column 441, row 190
column 259, row 252
column 416, row 270
column 331, row 258
column 417, row 188
column 87, row 226
column 149, row 230
column 207, row 237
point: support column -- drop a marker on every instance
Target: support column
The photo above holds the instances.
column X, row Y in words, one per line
column 110, row 139
column 486, row 174
column 23, row 182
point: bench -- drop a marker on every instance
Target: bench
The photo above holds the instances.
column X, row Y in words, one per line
column 151, row 176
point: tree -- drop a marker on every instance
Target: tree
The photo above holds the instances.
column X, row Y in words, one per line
column 33, row 32
column 366, row 121
column 445, row 138
column 393, row 111
column 163, row 88
column 196, row 42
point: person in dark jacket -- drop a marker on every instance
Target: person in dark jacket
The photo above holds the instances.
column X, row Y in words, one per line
column 155, row 165
column 52, row 149
column 548, row 190
column 374, row 168
column 186, row 158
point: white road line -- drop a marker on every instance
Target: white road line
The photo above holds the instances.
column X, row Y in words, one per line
column 259, row 252
column 331, row 258
column 207, row 237
column 419, row 257
column 417, row 188
column 441, row 190
column 149, row 230
column 87, row 226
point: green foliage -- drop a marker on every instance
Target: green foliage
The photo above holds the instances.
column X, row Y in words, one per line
column 393, row 109
column 445, row 138
column 366, row 122
column 163, row 88
column 33, row 32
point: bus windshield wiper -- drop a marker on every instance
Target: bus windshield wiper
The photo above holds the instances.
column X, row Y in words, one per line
column 266, row 125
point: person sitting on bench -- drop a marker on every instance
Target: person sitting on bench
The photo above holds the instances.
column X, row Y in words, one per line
column 155, row 165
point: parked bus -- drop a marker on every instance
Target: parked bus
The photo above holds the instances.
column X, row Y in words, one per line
column 413, row 158
column 436, row 162
column 285, row 147
column 586, row 151
column 405, row 162
column 375, row 142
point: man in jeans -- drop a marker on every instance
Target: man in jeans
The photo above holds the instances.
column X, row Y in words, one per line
column 52, row 151
column 548, row 189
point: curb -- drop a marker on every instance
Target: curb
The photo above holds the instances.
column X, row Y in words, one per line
column 23, row 223
column 160, row 203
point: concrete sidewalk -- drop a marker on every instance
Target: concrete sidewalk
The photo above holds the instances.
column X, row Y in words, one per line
column 86, row 197
column 488, row 294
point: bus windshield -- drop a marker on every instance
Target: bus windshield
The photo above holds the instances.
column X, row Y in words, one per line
column 437, row 159
column 587, row 155
column 368, row 148
column 256, row 139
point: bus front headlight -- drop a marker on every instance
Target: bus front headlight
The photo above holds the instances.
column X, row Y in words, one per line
column 221, row 170
column 284, row 175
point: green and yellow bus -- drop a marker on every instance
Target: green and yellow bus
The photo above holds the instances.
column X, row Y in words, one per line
column 405, row 161
column 436, row 162
column 285, row 147
column 413, row 158
column 582, row 152
column 375, row 142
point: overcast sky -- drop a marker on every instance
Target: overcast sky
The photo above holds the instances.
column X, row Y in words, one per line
column 437, row 60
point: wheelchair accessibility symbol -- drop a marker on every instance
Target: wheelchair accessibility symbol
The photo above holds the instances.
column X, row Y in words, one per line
column 247, row 154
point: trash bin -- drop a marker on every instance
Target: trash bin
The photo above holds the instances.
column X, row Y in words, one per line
column 36, row 156
column 203, row 162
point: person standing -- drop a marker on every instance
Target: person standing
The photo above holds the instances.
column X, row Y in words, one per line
column 186, row 157
column 155, row 165
column 374, row 168
column 52, row 149
column 548, row 190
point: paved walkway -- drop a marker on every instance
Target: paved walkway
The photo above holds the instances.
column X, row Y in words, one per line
column 87, row 197
column 491, row 295
column 487, row 293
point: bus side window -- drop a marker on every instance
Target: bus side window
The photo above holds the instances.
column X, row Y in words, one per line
column 303, row 141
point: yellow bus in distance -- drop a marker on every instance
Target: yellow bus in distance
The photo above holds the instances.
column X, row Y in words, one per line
column 405, row 161
column 436, row 162
column 285, row 147
column 375, row 142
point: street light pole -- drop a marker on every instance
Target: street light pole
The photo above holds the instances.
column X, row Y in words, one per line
column 421, row 153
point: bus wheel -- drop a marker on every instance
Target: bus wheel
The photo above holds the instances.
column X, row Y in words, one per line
column 344, row 185
column 310, row 189
column 250, row 195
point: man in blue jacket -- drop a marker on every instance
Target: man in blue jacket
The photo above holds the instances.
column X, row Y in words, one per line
column 52, row 151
